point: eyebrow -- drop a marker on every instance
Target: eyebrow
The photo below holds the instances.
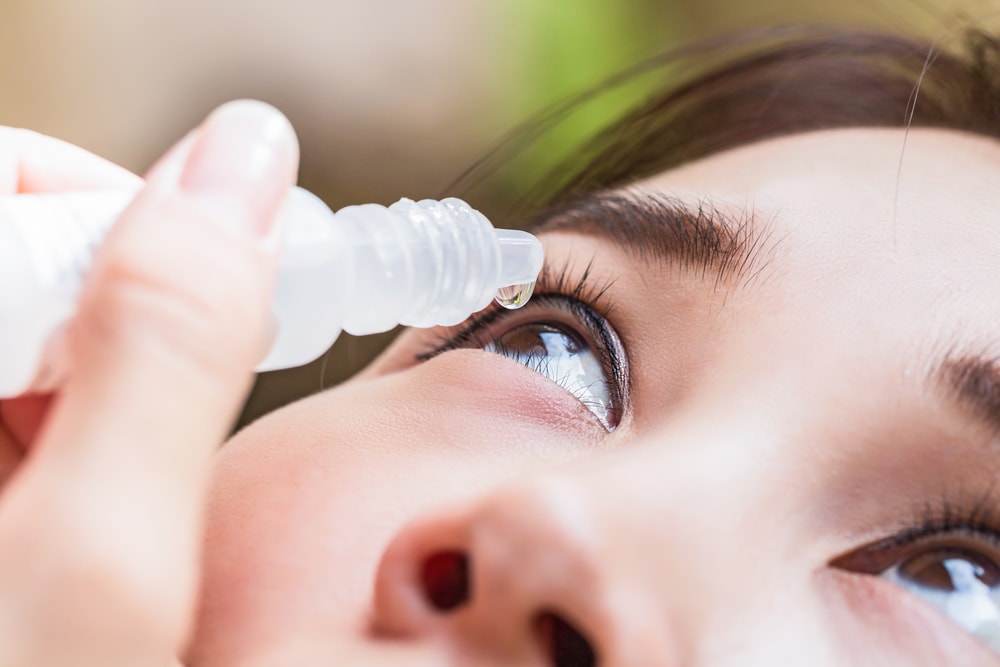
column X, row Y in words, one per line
column 654, row 226
column 974, row 381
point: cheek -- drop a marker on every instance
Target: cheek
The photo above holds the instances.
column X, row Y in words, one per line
column 305, row 500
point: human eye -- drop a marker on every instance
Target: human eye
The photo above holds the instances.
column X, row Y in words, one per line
column 953, row 564
column 563, row 333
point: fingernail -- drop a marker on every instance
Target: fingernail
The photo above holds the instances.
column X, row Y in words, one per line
column 242, row 164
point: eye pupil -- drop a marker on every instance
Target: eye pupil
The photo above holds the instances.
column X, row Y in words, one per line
column 950, row 571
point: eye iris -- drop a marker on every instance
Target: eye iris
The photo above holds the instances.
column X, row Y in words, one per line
column 963, row 584
column 950, row 571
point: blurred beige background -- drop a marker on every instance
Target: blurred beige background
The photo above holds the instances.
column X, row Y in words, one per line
column 390, row 98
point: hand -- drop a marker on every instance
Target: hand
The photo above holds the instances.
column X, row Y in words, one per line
column 31, row 163
column 100, row 522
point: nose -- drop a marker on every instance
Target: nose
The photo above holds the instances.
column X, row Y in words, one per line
column 525, row 577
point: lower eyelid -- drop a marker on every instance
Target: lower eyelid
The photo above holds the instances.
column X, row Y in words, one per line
column 510, row 387
column 880, row 618
column 562, row 353
column 536, row 386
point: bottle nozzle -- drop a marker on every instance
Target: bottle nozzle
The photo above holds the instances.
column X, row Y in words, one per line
column 364, row 269
column 520, row 256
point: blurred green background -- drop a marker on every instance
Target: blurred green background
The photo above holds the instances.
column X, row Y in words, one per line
column 390, row 98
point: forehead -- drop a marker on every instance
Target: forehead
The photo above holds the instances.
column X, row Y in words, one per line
column 881, row 191
column 903, row 225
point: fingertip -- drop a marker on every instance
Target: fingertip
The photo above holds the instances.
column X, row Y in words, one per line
column 240, row 162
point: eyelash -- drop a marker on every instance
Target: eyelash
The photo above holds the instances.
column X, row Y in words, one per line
column 585, row 300
column 946, row 520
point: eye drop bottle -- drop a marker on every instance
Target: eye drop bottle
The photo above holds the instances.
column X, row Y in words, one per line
column 363, row 269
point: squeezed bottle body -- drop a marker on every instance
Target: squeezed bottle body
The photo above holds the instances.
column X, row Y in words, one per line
column 46, row 247
column 364, row 269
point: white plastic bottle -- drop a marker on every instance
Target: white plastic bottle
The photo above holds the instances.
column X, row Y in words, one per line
column 363, row 269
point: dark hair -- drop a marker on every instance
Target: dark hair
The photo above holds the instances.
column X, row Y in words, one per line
column 737, row 89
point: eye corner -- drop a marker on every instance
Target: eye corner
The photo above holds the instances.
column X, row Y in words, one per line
column 857, row 561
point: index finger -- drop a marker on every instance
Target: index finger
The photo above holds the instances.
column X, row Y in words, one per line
column 33, row 162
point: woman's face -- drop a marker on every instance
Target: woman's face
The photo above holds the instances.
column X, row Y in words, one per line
column 752, row 417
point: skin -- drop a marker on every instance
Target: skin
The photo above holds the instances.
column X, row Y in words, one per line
column 781, row 420
column 778, row 419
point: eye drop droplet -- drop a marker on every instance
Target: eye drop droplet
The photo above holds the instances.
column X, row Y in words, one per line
column 513, row 297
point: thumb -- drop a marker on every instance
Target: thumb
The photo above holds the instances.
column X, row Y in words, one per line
column 172, row 320
column 180, row 292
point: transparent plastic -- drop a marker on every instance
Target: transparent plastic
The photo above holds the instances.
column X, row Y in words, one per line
column 363, row 269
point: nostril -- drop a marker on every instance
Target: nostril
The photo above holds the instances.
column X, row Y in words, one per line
column 563, row 644
column 445, row 579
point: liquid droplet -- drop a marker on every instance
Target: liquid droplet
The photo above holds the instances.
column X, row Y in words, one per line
column 513, row 297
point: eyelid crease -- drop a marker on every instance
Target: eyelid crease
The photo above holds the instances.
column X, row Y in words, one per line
column 951, row 515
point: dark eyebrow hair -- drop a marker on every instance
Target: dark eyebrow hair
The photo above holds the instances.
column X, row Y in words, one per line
column 655, row 226
column 974, row 381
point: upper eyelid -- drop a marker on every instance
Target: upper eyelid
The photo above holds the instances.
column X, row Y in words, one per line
column 481, row 323
column 554, row 281
column 579, row 284
column 874, row 559
column 956, row 513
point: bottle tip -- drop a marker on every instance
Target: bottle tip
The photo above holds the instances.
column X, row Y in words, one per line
column 521, row 257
